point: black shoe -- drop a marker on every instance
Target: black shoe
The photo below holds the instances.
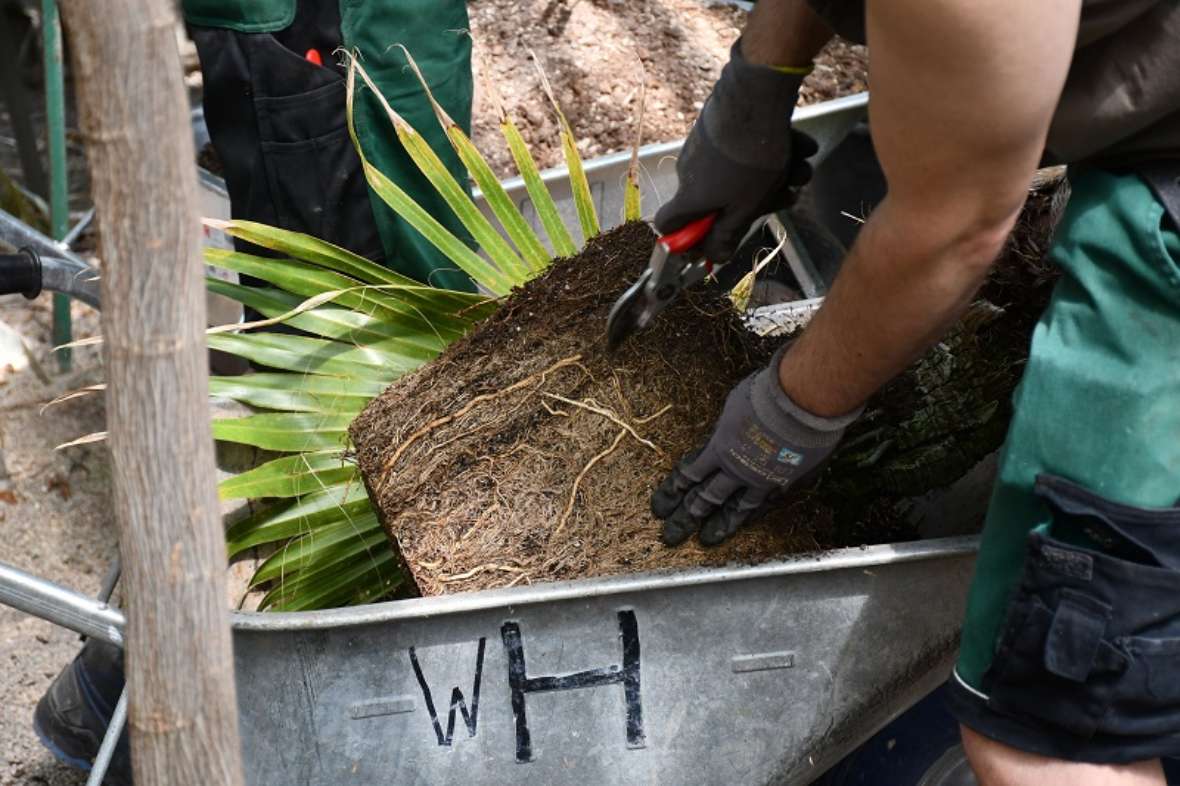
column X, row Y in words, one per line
column 74, row 713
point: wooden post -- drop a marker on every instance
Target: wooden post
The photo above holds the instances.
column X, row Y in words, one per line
column 135, row 119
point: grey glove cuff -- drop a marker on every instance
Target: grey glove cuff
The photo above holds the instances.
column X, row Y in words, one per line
column 748, row 115
column 789, row 420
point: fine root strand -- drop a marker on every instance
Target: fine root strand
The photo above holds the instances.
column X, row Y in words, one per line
column 609, row 415
column 478, row 570
column 470, row 405
column 522, row 577
column 557, row 413
column 652, row 417
column 569, row 506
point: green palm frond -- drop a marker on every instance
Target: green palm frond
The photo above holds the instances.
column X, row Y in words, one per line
column 346, row 501
column 291, row 476
column 507, row 213
column 362, row 326
column 632, row 209
column 583, row 200
column 555, row 228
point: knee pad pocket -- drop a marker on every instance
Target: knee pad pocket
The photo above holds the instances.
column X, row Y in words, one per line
column 1091, row 644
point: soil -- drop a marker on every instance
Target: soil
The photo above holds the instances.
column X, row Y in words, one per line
column 55, row 513
column 527, row 452
column 482, row 500
column 55, row 522
column 597, row 53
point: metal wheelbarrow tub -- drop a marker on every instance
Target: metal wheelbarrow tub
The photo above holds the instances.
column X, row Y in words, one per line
column 747, row 675
column 755, row 674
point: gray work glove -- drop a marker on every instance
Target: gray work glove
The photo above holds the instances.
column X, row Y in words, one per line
column 742, row 159
column 762, row 443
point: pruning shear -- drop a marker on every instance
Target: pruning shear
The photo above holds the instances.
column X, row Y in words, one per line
column 676, row 264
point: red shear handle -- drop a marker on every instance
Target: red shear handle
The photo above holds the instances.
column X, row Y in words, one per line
column 688, row 235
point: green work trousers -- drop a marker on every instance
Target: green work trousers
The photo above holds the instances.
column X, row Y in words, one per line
column 1099, row 402
column 276, row 117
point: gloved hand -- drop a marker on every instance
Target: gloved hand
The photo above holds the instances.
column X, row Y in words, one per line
column 762, row 443
column 742, row 158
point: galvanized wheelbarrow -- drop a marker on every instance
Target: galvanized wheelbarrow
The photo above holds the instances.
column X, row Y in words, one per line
column 748, row 675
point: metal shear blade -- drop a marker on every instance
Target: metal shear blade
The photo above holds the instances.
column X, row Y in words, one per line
column 626, row 315
column 672, row 267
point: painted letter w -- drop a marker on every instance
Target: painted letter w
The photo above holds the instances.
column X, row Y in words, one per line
column 457, row 702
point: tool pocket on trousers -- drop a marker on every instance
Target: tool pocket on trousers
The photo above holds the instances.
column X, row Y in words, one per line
column 1091, row 644
column 312, row 170
column 1054, row 664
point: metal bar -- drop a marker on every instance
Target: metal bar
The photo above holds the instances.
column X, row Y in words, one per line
column 799, row 260
column 111, row 580
column 17, row 233
column 59, row 194
column 78, row 228
column 106, row 751
column 54, row 603
column 62, row 270
column 65, row 276
column 586, row 589
column 90, row 617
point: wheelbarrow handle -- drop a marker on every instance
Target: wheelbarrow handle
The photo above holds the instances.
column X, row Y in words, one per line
column 41, row 598
column 20, row 273
column 27, row 273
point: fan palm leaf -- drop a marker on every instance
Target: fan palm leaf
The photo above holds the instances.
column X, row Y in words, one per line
column 363, row 326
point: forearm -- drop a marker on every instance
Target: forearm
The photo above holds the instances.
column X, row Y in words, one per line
column 963, row 94
column 784, row 33
column 900, row 290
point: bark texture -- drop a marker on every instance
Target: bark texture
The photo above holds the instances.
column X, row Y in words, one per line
column 183, row 705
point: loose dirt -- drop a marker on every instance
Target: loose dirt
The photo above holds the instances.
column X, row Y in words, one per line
column 597, row 53
column 55, row 522
column 55, row 518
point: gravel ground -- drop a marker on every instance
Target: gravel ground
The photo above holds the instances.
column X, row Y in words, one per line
column 55, row 518
column 54, row 521
column 597, row 55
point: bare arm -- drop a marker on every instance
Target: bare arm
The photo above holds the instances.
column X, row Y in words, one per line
column 784, row 33
column 963, row 94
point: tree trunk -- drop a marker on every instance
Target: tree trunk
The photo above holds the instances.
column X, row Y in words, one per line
column 135, row 119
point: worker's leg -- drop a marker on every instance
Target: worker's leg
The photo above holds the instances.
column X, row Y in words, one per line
column 997, row 764
column 274, row 102
column 435, row 34
column 1071, row 645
